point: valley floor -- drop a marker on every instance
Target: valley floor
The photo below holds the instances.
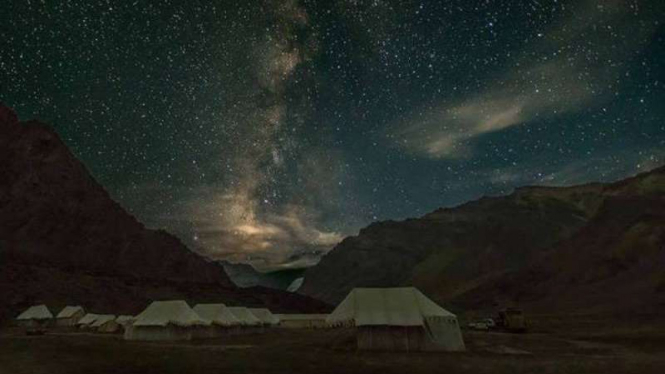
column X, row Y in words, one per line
column 331, row 351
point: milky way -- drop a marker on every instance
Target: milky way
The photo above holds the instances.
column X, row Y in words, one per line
column 266, row 131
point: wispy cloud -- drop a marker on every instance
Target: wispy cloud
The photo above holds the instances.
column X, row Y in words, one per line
column 605, row 167
column 572, row 66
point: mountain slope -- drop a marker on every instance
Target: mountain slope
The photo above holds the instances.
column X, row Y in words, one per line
column 613, row 264
column 63, row 239
column 461, row 254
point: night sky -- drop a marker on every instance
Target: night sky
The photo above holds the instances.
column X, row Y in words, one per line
column 269, row 130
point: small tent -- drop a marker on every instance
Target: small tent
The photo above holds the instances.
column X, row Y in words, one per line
column 248, row 322
column 265, row 316
column 223, row 322
column 124, row 320
column 166, row 320
column 69, row 316
column 35, row 316
column 105, row 323
column 87, row 320
column 400, row 319
column 302, row 321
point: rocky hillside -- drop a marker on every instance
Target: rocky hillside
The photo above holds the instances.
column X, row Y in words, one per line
column 615, row 263
column 58, row 225
column 467, row 254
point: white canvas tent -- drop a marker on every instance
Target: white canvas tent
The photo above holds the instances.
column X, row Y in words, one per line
column 124, row 320
column 87, row 320
column 105, row 323
column 302, row 321
column 248, row 322
column 218, row 314
column 245, row 317
column 265, row 316
column 69, row 316
column 397, row 319
column 35, row 316
column 223, row 321
column 166, row 320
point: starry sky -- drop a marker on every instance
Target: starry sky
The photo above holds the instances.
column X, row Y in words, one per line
column 266, row 131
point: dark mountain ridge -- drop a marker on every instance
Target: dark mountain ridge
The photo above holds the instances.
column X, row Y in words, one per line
column 63, row 239
column 490, row 251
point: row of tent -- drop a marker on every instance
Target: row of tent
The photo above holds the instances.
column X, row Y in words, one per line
column 39, row 316
column 395, row 319
column 160, row 315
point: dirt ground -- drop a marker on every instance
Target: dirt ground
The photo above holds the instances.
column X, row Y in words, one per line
column 616, row 350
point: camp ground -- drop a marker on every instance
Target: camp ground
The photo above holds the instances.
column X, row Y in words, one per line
column 166, row 320
column 397, row 319
column 302, row 321
column 35, row 316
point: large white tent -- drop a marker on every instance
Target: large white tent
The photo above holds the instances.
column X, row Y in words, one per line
column 265, row 316
column 69, row 316
column 223, row 321
column 166, row 320
column 36, row 315
column 397, row 319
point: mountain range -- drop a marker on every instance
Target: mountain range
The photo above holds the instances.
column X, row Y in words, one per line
column 594, row 248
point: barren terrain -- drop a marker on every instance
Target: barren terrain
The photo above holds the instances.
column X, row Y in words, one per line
column 583, row 346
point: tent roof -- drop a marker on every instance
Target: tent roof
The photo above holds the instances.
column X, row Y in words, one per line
column 36, row 312
column 244, row 315
column 102, row 319
column 174, row 312
column 291, row 317
column 88, row 319
column 218, row 314
column 403, row 306
column 124, row 319
column 69, row 311
column 265, row 315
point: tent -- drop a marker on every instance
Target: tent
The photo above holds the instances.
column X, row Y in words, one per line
column 166, row 320
column 35, row 316
column 248, row 322
column 87, row 320
column 69, row 316
column 124, row 320
column 105, row 323
column 302, row 321
column 397, row 319
column 265, row 316
column 223, row 322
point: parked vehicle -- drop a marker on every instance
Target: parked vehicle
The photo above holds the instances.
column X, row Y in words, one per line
column 511, row 320
column 489, row 322
column 481, row 326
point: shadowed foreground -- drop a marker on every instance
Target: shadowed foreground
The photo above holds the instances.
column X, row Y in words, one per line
column 331, row 351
